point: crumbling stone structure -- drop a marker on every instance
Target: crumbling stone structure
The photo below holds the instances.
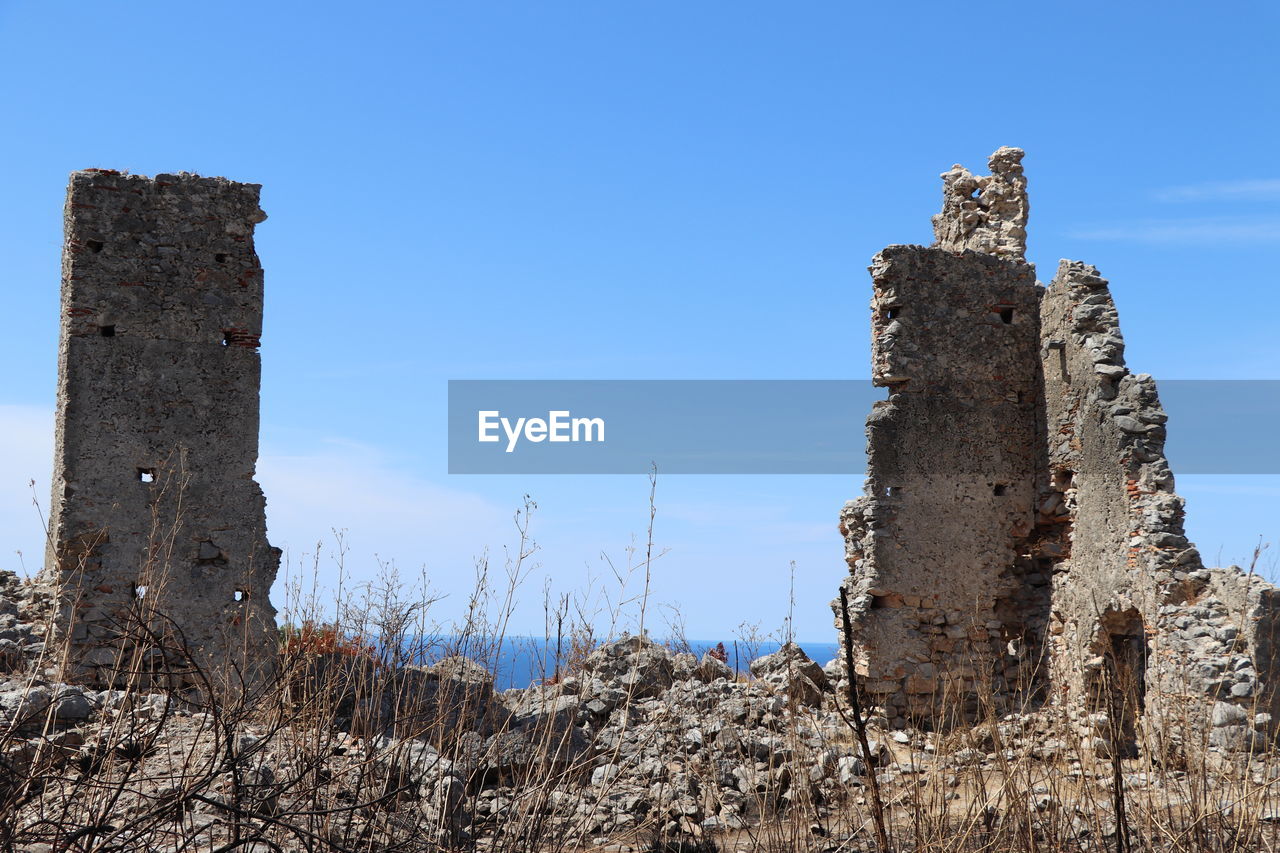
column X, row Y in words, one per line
column 155, row 510
column 1020, row 541
column 985, row 213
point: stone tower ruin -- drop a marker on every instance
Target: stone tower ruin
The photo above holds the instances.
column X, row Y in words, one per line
column 1019, row 542
column 156, row 518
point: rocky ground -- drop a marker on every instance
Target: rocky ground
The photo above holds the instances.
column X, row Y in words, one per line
column 639, row 749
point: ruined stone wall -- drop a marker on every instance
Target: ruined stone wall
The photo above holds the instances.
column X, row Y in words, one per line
column 934, row 547
column 1134, row 609
column 1020, row 537
column 1093, row 467
column 1232, row 624
column 154, row 503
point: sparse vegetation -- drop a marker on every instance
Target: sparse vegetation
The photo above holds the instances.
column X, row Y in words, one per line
column 380, row 730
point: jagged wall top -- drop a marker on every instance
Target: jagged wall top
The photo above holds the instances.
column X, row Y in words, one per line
column 986, row 213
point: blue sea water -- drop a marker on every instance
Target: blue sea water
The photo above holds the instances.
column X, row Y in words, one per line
column 521, row 661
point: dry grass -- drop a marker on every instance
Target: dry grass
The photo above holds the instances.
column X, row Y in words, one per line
column 343, row 750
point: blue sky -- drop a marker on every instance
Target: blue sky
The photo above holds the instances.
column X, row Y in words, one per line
column 624, row 190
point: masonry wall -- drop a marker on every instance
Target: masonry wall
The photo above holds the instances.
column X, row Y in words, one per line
column 1083, row 369
column 155, row 508
column 1020, row 538
column 935, row 546
column 1133, row 606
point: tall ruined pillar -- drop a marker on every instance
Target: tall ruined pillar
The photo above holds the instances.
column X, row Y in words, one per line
column 941, row 573
column 157, row 529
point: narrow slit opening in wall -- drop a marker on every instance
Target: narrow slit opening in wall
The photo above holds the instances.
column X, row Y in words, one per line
column 107, row 331
column 220, row 258
column 1006, row 315
column 95, row 246
column 240, row 595
column 894, row 491
column 893, row 313
column 226, row 339
column 999, row 490
column 146, row 475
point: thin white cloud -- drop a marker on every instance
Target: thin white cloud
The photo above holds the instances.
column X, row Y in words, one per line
column 384, row 513
column 1223, row 229
column 1265, row 189
column 1236, row 231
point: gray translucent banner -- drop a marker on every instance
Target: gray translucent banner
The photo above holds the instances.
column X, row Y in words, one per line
column 782, row 426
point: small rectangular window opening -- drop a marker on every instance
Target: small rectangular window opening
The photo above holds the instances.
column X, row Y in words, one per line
column 1000, row 489
column 139, row 590
column 95, row 246
column 893, row 313
column 147, row 475
column 226, row 339
column 893, row 491
column 1006, row 315
column 107, row 331
column 241, row 595
column 220, row 258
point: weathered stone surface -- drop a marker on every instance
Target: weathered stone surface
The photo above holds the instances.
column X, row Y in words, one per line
column 711, row 667
column 462, row 669
column 636, row 665
column 985, row 213
column 1020, row 530
column 1129, row 592
column 788, row 660
column 155, row 509
column 793, row 674
column 934, row 545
